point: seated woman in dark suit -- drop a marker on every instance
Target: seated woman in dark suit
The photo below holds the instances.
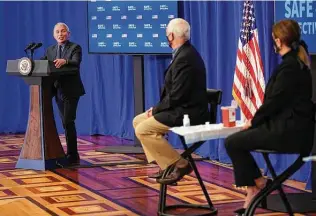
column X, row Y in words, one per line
column 285, row 121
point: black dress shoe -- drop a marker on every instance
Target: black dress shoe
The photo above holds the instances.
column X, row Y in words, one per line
column 73, row 159
column 176, row 175
column 156, row 174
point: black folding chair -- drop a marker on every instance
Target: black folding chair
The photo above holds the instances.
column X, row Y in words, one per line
column 276, row 183
column 278, row 180
column 214, row 99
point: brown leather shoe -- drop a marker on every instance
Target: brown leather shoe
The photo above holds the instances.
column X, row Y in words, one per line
column 176, row 175
column 156, row 174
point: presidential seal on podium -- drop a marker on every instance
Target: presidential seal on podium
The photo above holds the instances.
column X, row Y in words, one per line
column 25, row 66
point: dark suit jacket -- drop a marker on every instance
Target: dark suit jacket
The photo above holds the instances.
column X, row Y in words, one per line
column 70, row 85
column 184, row 90
column 288, row 111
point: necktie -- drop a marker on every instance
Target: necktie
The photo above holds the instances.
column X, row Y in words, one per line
column 58, row 52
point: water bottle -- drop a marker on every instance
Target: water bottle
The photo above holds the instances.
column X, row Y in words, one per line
column 186, row 120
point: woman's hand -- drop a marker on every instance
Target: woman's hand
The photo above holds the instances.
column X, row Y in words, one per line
column 247, row 125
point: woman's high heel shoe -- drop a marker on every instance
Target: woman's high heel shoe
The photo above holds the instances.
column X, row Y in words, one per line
column 240, row 212
column 264, row 200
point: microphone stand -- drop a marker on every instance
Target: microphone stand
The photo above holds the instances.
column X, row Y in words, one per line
column 26, row 53
column 32, row 54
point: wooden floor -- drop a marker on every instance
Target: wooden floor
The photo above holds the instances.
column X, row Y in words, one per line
column 99, row 188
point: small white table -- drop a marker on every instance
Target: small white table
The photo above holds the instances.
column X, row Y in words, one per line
column 193, row 134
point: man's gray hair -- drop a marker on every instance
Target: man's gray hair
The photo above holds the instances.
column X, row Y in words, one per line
column 63, row 24
column 180, row 28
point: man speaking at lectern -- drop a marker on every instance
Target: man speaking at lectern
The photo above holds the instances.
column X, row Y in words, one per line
column 67, row 89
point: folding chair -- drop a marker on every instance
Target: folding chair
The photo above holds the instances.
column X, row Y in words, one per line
column 214, row 99
column 276, row 183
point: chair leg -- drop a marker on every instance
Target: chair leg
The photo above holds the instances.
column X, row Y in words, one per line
column 163, row 208
column 198, row 176
column 162, row 198
column 275, row 185
column 163, row 193
column 279, row 188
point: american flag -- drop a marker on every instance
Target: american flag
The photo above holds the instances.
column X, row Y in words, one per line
column 249, row 85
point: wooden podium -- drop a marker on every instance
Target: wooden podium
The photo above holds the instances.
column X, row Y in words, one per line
column 42, row 147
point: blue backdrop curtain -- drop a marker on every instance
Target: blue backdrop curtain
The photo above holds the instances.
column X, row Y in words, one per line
column 108, row 106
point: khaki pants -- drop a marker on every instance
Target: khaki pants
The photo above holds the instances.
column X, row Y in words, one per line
column 151, row 133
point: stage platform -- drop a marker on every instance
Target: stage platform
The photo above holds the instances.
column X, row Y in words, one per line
column 97, row 187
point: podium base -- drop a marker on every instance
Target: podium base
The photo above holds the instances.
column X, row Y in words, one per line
column 300, row 203
column 38, row 164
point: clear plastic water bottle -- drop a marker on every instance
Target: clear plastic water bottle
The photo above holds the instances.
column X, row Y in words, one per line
column 186, row 120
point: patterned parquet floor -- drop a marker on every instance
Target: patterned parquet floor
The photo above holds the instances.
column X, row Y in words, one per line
column 98, row 187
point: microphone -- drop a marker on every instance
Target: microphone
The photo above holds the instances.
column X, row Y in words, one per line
column 36, row 46
column 29, row 46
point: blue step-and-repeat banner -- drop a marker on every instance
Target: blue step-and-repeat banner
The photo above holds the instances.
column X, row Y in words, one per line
column 130, row 26
column 304, row 12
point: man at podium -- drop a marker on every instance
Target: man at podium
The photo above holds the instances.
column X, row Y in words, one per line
column 67, row 89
